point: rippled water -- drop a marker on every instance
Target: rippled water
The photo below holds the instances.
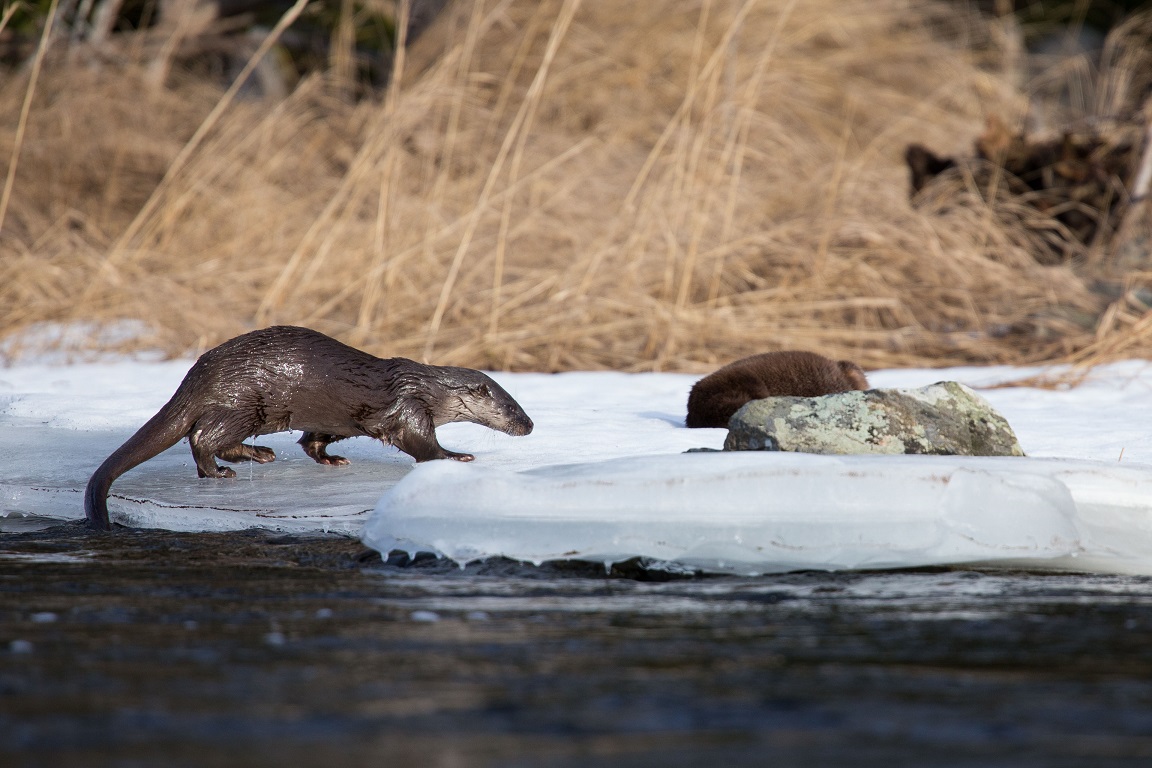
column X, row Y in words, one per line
column 155, row 648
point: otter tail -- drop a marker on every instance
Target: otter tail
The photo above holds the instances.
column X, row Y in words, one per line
column 161, row 432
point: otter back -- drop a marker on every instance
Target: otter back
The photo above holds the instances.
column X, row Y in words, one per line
column 714, row 398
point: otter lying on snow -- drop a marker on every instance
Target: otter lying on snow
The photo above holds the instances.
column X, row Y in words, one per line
column 718, row 395
column 283, row 378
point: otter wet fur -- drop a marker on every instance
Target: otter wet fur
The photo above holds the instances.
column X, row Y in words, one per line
column 283, row 378
column 718, row 395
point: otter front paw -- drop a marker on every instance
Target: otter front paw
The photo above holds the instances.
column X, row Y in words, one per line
column 332, row 461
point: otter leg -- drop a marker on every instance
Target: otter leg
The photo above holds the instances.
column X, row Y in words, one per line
column 315, row 445
column 220, row 433
column 424, row 446
column 205, row 456
column 245, row 452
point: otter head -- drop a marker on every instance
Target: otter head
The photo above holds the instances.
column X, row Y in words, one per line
column 473, row 396
column 853, row 373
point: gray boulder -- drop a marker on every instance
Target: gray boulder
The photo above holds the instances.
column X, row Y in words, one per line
column 946, row 418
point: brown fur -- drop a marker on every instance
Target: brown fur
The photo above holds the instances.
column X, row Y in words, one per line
column 283, row 378
column 717, row 396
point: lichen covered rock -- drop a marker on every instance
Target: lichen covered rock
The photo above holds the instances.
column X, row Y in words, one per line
column 946, row 419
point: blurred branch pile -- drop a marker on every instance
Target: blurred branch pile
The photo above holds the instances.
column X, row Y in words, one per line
column 1071, row 191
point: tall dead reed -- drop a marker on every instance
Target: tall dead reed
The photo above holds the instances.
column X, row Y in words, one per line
column 551, row 185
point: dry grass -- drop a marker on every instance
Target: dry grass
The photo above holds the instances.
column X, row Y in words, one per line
column 557, row 185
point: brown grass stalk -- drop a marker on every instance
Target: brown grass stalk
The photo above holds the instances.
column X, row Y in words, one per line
column 520, row 124
column 209, row 123
column 26, row 107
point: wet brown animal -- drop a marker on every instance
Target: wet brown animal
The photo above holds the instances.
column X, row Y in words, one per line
column 717, row 396
column 283, row 378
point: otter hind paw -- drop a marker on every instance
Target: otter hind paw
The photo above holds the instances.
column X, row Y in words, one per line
column 262, row 454
column 242, row 452
column 219, row 473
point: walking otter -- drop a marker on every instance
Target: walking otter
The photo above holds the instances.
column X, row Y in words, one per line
column 283, row 378
column 718, row 395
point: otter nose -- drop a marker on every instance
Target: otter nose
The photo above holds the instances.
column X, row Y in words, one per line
column 524, row 426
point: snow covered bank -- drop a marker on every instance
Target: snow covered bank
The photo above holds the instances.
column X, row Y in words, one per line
column 604, row 470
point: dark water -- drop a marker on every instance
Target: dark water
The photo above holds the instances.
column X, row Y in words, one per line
column 145, row 648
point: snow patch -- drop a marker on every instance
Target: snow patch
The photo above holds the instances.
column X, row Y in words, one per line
column 604, row 476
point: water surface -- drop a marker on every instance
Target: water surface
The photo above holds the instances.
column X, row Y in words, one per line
column 253, row 648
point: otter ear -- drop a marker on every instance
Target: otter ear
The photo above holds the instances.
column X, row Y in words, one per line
column 854, row 373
